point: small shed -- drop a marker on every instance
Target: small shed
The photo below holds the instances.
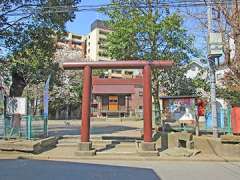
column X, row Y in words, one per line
column 179, row 109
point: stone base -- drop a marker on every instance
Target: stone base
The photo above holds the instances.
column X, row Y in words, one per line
column 85, row 149
column 86, row 153
column 190, row 145
column 148, row 146
column 31, row 146
column 85, row 146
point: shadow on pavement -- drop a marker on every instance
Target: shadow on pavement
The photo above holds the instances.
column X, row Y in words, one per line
column 39, row 170
column 75, row 130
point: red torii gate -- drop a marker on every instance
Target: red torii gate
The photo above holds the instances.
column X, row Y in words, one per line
column 85, row 144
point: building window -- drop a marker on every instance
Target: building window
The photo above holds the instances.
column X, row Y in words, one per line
column 129, row 73
column 105, row 100
column 102, row 54
column 101, row 40
column 117, row 71
column 102, row 47
column 103, row 32
column 121, row 100
column 140, row 93
column 76, row 37
column 140, row 107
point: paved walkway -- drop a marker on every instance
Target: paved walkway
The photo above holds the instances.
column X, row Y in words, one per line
column 114, row 127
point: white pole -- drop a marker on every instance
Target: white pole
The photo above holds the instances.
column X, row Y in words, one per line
column 212, row 75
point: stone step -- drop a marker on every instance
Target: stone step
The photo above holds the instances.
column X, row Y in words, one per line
column 125, row 145
column 103, row 138
column 71, row 137
column 75, row 145
column 65, row 141
column 117, row 153
column 121, row 138
column 78, row 137
column 67, row 144
column 148, row 153
column 97, row 142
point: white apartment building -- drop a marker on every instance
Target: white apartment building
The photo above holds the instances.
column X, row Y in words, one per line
column 96, row 50
column 96, row 42
column 71, row 48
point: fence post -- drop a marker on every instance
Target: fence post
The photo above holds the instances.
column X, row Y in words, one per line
column 29, row 119
column 229, row 128
column 45, row 126
column 26, row 133
column 5, row 126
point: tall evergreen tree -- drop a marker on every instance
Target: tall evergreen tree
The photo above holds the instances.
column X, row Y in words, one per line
column 147, row 30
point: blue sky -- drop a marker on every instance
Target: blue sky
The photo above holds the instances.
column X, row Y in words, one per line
column 83, row 20
column 82, row 23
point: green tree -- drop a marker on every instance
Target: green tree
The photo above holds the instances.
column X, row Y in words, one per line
column 147, row 31
column 28, row 30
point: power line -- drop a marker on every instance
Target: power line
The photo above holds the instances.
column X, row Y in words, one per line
column 82, row 8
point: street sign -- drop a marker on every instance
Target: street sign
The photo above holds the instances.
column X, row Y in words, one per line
column 46, row 97
column 215, row 45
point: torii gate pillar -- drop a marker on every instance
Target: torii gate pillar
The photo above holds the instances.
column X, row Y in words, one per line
column 147, row 105
column 86, row 103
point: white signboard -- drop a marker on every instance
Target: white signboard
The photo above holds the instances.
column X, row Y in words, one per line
column 215, row 44
column 17, row 105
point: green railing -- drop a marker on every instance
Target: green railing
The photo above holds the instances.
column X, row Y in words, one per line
column 226, row 129
column 26, row 127
column 1, row 126
column 229, row 124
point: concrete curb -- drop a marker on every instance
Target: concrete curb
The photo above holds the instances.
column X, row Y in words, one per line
column 118, row 158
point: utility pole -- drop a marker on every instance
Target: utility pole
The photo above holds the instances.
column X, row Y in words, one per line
column 212, row 67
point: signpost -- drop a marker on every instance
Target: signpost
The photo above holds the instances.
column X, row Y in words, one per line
column 46, row 97
column 215, row 50
column 1, row 113
column 45, row 103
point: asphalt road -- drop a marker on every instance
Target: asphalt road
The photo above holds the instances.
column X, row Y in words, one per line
column 117, row 170
column 50, row 170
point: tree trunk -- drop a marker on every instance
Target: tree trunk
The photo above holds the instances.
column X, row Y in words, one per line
column 18, row 85
column 156, row 99
column 35, row 105
column 157, row 110
column 236, row 36
column 67, row 112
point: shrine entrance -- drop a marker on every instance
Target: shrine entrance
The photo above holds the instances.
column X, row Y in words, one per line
column 87, row 67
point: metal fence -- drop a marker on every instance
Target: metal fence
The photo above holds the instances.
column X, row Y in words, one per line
column 223, row 120
column 206, row 126
column 1, row 126
column 26, row 127
column 1, row 114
